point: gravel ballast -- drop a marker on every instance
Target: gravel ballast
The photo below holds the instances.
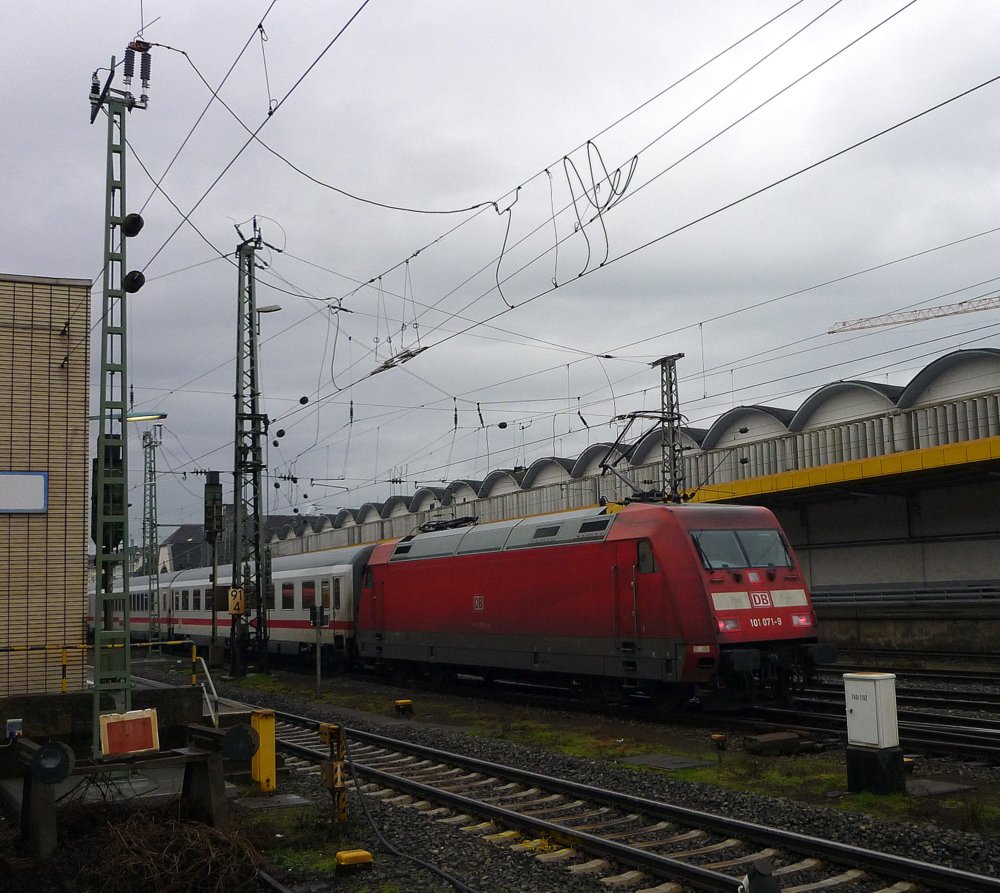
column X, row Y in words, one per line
column 494, row 869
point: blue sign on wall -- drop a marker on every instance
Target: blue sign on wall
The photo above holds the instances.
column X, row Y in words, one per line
column 23, row 492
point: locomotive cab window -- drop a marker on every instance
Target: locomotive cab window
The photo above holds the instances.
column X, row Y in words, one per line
column 721, row 549
column 764, row 548
column 644, row 561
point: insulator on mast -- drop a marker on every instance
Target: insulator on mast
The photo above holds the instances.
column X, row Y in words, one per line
column 145, row 64
column 128, row 69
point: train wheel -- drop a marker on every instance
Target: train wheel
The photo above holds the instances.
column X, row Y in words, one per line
column 436, row 678
column 400, row 675
column 598, row 690
column 670, row 698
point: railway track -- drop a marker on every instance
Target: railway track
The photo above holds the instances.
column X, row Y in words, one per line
column 949, row 699
column 583, row 828
column 937, row 674
column 918, row 731
column 632, row 843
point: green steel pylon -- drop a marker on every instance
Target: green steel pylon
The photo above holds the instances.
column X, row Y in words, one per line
column 109, row 484
column 251, row 565
column 150, row 539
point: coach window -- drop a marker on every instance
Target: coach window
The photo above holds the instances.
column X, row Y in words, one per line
column 185, row 602
column 336, row 594
column 287, row 596
column 196, row 600
column 308, row 594
column 644, row 561
column 177, row 601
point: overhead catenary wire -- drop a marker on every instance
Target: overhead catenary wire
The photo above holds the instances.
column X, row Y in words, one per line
column 556, row 285
column 478, row 323
column 723, row 366
column 581, row 226
column 263, row 123
column 514, row 191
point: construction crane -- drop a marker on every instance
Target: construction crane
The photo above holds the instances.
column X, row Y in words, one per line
column 889, row 319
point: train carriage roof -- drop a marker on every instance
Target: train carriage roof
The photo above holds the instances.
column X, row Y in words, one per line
column 584, row 525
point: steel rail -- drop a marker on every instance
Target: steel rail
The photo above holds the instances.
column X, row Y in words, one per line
column 977, row 736
column 900, row 867
column 986, row 701
column 660, row 866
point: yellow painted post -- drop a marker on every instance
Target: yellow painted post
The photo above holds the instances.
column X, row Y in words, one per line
column 332, row 770
column 194, row 664
column 263, row 766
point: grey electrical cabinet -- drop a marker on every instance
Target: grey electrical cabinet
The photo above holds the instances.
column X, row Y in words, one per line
column 871, row 710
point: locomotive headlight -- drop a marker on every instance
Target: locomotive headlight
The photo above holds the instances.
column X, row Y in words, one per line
column 728, row 624
column 802, row 620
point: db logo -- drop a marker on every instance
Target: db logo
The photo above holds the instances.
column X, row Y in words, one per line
column 761, row 599
column 478, row 603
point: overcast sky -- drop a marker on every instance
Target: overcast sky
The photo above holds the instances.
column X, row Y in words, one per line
column 690, row 108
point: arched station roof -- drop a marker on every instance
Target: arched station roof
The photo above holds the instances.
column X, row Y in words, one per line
column 503, row 480
column 761, row 422
column 425, row 497
column 647, row 447
column 589, row 461
column 346, row 518
column 463, row 491
column 370, row 511
column 841, row 401
column 955, row 374
column 550, row 470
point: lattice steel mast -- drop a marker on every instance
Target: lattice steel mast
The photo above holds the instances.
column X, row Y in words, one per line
column 150, row 538
column 671, row 450
column 251, row 571
column 109, row 484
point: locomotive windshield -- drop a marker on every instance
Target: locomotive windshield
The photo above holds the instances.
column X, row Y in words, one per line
column 741, row 548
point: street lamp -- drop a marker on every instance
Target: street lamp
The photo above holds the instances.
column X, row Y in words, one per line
column 146, row 417
column 267, row 308
column 138, row 417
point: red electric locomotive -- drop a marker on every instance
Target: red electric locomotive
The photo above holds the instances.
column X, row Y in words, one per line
column 653, row 599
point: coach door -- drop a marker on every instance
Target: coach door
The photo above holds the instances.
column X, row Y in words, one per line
column 625, row 605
